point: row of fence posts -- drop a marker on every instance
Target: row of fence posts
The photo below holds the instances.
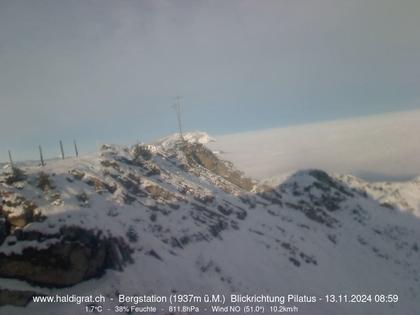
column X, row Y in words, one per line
column 41, row 155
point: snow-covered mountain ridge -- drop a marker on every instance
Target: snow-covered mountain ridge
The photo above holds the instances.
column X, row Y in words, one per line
column 173, row 217
column 404, row 195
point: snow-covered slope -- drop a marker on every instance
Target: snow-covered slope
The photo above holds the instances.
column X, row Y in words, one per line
column 404, row 195
column 171, row 141
column 401, row 195
column 185, row 221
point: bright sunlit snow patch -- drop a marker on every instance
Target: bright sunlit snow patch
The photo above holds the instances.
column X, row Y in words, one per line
column 190, row 137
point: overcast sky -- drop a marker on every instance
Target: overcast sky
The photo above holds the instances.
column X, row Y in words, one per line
column 107, row 70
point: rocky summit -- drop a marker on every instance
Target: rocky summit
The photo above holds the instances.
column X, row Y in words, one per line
column 173, row 216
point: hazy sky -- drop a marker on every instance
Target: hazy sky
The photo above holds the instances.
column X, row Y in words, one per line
column 107, row 70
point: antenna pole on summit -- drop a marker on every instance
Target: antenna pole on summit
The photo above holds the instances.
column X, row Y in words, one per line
column 177, row 107
column 12, row 165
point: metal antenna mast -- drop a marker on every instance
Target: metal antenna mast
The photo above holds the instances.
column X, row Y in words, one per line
column 177, row 107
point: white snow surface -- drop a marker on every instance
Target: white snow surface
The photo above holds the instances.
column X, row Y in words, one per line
column 281, row 241
column 191, row 137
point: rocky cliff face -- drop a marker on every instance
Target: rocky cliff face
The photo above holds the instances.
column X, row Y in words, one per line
column 197, row 153
column 173, row 217
column 69, row 257
column 57, row 259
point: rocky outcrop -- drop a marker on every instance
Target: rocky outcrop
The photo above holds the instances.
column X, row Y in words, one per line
column 3, row 229
column 197, row 153
column 12, row 176
column 44, row 182
column 75, row 255
column 158, row 193
column 141, row 152
column 17, row 210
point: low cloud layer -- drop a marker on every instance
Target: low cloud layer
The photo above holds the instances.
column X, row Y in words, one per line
column 382, row 147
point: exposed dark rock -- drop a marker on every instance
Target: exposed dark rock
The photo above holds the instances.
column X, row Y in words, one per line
column 218, row 227
column 332, row 238
column 308, row 259
column 44, row 182
column 154, row 254
column 325, row 182
column 83, row 199
column 128, row 199
column 316, row 214
column 110, row 163
column 153, row 170
column 197, row 153
column 387, row 205
column 130, row 183
column 18, row 211
column 360, row 215
column 77, row 255
column 204, row 198
column 141, row 152
column 124, row 160
column 4, row 230
column 256, row 232
column 269, row 194
column 100, row 185
column 224, row 210
column 77, row 174
column 158, row 193
column 12, row 176
column 185, row 240
column 320, row 216
column 132, row 234
column 294, row 261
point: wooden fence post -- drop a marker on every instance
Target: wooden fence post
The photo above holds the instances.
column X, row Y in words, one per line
column 62, row 150
column 41, row 157
column 75, row 148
